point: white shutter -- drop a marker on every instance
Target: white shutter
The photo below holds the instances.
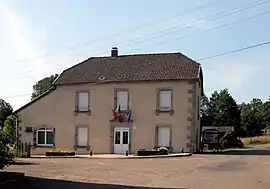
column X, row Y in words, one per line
column 83, row 101
column 122, row 99
column 164, row 136
column 165, row 100
column 82, row 136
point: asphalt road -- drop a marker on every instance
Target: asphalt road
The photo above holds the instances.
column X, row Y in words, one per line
column 244, row 169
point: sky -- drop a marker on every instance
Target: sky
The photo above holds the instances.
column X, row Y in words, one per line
column 40, row 38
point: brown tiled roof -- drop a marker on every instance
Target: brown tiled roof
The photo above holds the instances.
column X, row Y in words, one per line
column 140, row 67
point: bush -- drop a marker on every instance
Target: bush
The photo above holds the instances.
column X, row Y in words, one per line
column 6, row 157
column 152, row 152
column 59, row 152
column 230, row 140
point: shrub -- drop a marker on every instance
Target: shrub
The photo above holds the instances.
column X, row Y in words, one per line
column 151, row 152
column 230, row 140
column 6, row 157
column 59, row 150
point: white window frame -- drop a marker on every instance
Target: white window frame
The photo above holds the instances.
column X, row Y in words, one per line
column 87, row 136
column 163, row 108
column 85, row 107
column 45, row 130
column 118, row 92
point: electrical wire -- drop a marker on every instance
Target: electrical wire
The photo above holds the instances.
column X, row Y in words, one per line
column 136, row 28
column 201, row 59
column 198, row 21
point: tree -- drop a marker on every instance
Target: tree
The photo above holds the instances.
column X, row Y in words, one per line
column 5, row 156
column 43, row 85
column 224, row 109
column 253, row 117
column 5, row 111
column 206, row 119
column 10, row 127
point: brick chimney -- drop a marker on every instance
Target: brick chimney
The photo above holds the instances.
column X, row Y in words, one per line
column 114, row 52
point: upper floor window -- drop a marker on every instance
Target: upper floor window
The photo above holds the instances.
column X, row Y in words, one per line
column 165, row 100
column 45, row 137
column 122, row 99
column 83, row 101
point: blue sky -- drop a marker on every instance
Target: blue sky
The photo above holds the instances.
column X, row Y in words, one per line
column 39, row 38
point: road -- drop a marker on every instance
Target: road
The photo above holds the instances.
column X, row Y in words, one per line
column 247, row 169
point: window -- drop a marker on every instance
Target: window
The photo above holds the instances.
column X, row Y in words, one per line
column 83, row 101
column 45, row 137
column 122, row 100
column 82, row 136
column 165, row 100
column 164, row 136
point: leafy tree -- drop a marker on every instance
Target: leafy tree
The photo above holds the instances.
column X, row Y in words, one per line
column 5, row 111
column 5, row 156
column 43, row 85
column 205, row 114
column 253, row 117
column 10, row 127
column 223, row 110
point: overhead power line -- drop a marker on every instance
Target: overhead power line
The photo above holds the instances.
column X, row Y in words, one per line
column 212, row 28
column 198, row 21
column 205, row 19
column 161, row 33
column 234, row 51
column 201, row 59
column 136, row 28
column 186, row 36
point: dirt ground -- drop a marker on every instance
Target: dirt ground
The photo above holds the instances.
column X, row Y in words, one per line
column 248, row 169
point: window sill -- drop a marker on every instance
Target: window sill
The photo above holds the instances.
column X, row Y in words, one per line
column 158, row 111
column 81, row 147
column 76, row 112
column 44, row 146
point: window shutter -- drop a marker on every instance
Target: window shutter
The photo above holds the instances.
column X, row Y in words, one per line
column 54, row 136
column 122, row 99
column 83, row 101
column 75, row 137
column 165, row 100
column 82, row 136
column 34, row 137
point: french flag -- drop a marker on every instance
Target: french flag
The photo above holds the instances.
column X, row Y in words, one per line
column 116, row 112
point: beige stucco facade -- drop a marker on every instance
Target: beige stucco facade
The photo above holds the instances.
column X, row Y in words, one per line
column 56, row 110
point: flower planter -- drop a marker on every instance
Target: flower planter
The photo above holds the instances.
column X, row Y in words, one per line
column 60, row 154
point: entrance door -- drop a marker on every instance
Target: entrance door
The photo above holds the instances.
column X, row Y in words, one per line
column 121, row 140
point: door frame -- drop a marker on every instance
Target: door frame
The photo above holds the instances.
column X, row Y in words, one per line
column 121, row 130
column 112, row 130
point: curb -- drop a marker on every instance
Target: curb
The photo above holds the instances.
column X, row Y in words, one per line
column 120, row 157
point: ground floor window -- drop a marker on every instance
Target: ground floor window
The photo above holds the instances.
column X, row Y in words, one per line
column 82, row 137
column 45, row 137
